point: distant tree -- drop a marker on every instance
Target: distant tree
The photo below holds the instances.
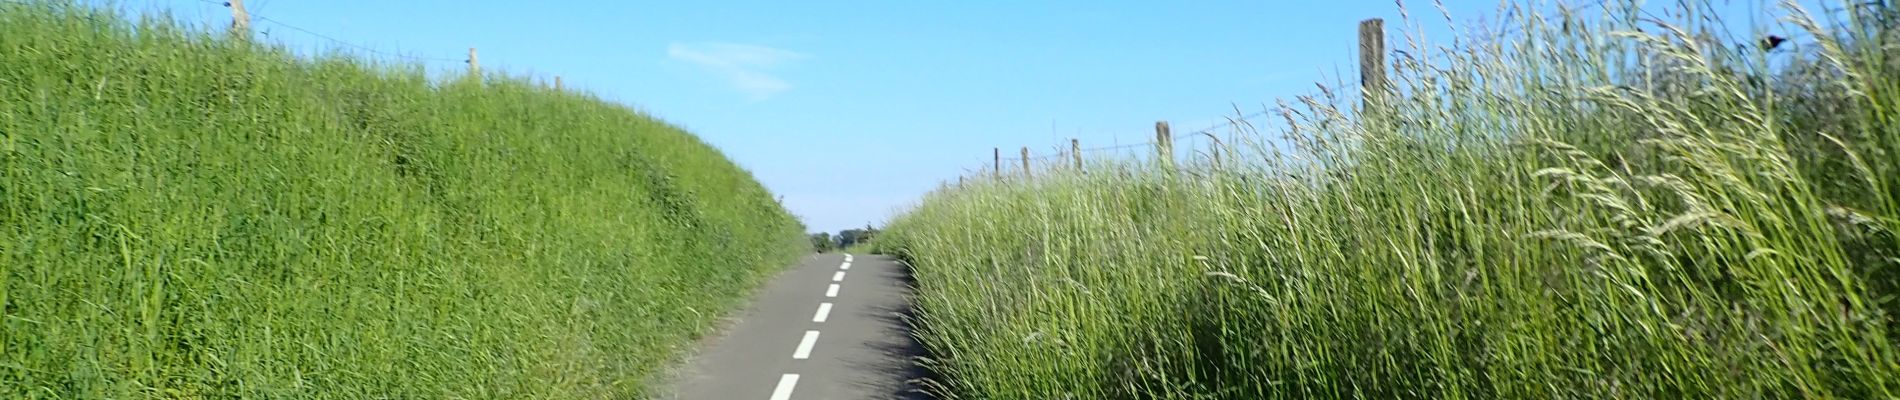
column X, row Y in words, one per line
column 850, row 237
column 847, row 237
column 821, row 242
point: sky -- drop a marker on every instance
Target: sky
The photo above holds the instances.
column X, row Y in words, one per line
column 852, row 110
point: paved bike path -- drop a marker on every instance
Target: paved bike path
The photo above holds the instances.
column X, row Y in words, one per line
column 831, row 328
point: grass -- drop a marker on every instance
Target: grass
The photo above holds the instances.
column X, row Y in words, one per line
column 1601, row 206
column 859, row 248
column 184, row 214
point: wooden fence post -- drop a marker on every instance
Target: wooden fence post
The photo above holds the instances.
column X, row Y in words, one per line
column 996, row 163
column 474, row 63
column 1075, row 149
column 240, row 18
column 1371, row 62
column 1025, row 161
column 1164, row 144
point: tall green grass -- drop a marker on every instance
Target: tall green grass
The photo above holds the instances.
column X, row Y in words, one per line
column 1601, row 206
column 188, row 215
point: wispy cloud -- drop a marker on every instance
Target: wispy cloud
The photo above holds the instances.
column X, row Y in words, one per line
column 745, row 66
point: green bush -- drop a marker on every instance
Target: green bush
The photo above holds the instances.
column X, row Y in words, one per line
column 184, row 214
column 1598, row 207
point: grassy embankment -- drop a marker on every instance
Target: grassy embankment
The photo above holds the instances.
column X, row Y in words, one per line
column 188, row 215
column 1596, row 207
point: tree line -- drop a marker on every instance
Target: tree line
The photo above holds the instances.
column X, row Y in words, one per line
column 845, row 239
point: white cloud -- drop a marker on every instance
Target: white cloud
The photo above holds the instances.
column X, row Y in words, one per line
column 744, row 66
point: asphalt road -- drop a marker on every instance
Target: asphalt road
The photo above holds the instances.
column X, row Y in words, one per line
column 831, row 328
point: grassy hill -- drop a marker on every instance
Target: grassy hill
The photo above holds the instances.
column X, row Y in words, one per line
column 1601, row 206
column 184, row 214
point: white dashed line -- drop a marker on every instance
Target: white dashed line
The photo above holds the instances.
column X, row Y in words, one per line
column 785, row 384
column 804, row 345
column 824, row 311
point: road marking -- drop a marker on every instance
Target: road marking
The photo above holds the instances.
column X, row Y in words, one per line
column 804, row 345
column 824, row 311
column 846, row 265
column 847, row 258
column 838, row 277
column 832, row 291
column 785, row 384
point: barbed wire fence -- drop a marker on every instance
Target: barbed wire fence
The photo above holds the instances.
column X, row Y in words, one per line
column 242, row 19
column 244, row 23
column 1163, row 144
column 1372, row 84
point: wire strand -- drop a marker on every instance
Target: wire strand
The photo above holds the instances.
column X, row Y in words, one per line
column 1236, row 121
column 351, row 45
column 1519, row 28
column 1118, row 147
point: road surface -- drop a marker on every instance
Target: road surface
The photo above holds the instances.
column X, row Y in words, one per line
column 831, row 328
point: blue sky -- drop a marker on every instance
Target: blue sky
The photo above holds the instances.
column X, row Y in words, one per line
column 852, row 109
